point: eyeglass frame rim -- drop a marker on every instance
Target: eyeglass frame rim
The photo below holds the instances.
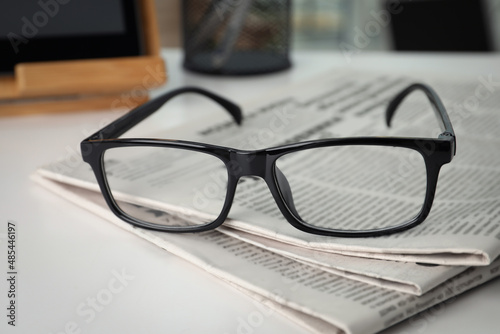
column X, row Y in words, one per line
column 444, row 147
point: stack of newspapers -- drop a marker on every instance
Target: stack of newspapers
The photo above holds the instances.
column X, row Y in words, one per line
column 328, row 284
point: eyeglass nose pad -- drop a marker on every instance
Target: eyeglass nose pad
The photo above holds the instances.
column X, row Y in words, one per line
column 286, row 191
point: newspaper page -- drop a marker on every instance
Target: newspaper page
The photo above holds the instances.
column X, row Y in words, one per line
column 463, row 227
column 320, row 301
column 407, row 277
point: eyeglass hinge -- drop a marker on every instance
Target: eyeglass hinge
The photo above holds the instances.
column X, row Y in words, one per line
column 446, row 134
column 96, row 137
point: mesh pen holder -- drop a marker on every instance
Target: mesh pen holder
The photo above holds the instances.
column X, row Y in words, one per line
column 236, row 37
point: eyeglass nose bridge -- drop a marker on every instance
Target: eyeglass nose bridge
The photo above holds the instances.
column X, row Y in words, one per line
column 248, row 163
column 256, row 163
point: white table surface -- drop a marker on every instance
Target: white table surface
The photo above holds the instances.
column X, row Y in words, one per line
column 66, row 255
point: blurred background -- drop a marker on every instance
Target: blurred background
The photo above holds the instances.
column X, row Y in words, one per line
column 327, row 24
column 221, row 37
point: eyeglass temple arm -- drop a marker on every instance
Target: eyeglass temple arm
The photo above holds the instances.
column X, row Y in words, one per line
column 132, row 118
column 437, row 105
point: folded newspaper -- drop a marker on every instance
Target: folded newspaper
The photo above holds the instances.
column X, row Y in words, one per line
column 463, row 228
column 408, row 277
column 318, row 300
column 333, row 284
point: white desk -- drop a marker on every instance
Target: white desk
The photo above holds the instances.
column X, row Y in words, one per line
column 67, row 255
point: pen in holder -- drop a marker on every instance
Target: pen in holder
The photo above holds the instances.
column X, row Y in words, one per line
column 236, row 37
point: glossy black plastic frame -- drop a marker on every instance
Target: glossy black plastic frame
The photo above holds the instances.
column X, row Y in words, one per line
column 262, row 163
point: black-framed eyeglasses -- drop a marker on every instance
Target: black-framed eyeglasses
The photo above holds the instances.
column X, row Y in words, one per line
column 343, row 187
